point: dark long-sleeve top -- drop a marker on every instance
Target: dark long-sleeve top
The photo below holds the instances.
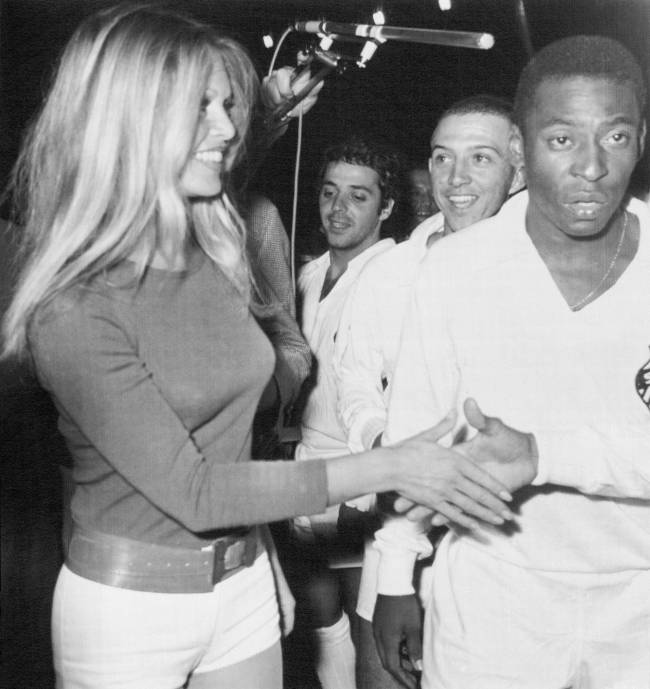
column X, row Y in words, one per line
column 156, row 386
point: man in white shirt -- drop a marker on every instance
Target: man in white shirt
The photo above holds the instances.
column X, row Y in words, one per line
column 541, row 314
column 358, row 186
column 472, row 173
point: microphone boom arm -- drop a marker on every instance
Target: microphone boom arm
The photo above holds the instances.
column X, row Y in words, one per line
column 381, row 33
column 374, row 33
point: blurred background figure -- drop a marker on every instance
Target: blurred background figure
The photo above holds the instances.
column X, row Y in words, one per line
column 420, row 202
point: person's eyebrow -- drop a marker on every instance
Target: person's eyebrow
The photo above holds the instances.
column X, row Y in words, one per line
column 356, row 187
column 557, row 121
column 477, row 147
column 608, row 122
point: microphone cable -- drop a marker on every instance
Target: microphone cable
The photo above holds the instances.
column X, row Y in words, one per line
column 296, row 174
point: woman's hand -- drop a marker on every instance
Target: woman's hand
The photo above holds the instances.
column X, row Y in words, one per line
column 283, row 84
column 447, row 482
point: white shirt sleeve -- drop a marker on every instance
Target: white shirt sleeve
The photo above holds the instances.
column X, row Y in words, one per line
column 416, row 403
column 400, row 543
column 358, row 367
column 613, row 462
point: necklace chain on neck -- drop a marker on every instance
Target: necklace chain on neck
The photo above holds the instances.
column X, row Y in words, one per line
column 587, row 297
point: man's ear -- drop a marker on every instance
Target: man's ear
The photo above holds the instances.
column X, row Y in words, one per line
column 518, row 181
column 516, row 146
column 516, row 151
column 387, row 209
column 642, row 133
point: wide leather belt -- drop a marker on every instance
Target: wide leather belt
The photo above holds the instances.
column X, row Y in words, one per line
column 129, row 564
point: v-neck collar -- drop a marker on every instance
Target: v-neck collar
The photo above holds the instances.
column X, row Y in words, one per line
column 548, row 283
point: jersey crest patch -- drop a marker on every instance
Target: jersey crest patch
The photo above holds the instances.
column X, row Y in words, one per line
column 643, row 383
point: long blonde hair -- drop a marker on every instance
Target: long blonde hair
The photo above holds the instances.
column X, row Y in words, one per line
column 99, row 172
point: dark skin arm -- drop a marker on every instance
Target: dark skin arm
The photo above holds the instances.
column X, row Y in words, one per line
column 397, row 622
column 504, row 452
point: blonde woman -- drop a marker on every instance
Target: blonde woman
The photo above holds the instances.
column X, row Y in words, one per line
column 133, row 305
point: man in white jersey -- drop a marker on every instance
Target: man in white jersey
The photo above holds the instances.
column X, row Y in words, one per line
column 541, row 314
column 472, row 173
column 358, row 187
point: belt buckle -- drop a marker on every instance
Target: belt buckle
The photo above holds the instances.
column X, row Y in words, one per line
column 230, row 553
column 234, row 555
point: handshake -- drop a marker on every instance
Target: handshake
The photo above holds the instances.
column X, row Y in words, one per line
column 469, row 483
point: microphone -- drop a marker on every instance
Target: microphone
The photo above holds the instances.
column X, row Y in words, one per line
column 381, row 33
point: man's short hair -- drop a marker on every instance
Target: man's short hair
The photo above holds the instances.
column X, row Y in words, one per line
column 483, row 104
column 383, row 159
column 578, row 56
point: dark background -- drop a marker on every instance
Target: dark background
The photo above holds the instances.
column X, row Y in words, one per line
column 397, row 96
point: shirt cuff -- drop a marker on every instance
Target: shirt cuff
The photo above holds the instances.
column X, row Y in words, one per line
column 559, row 454
column 400, row 546
column 395, row 575
column 363, row 431
column 365, row 503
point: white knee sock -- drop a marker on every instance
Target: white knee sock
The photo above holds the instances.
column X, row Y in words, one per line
column 336, row 655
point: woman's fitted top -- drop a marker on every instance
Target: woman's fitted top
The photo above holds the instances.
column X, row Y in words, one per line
column 156, row 386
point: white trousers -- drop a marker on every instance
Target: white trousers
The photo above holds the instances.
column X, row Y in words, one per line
column 111, row 638
column 493, row 625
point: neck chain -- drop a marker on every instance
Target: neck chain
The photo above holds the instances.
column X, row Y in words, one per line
column 587, row 297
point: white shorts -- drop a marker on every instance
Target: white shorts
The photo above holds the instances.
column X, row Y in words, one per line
column 494, row 625
column 108, row 637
